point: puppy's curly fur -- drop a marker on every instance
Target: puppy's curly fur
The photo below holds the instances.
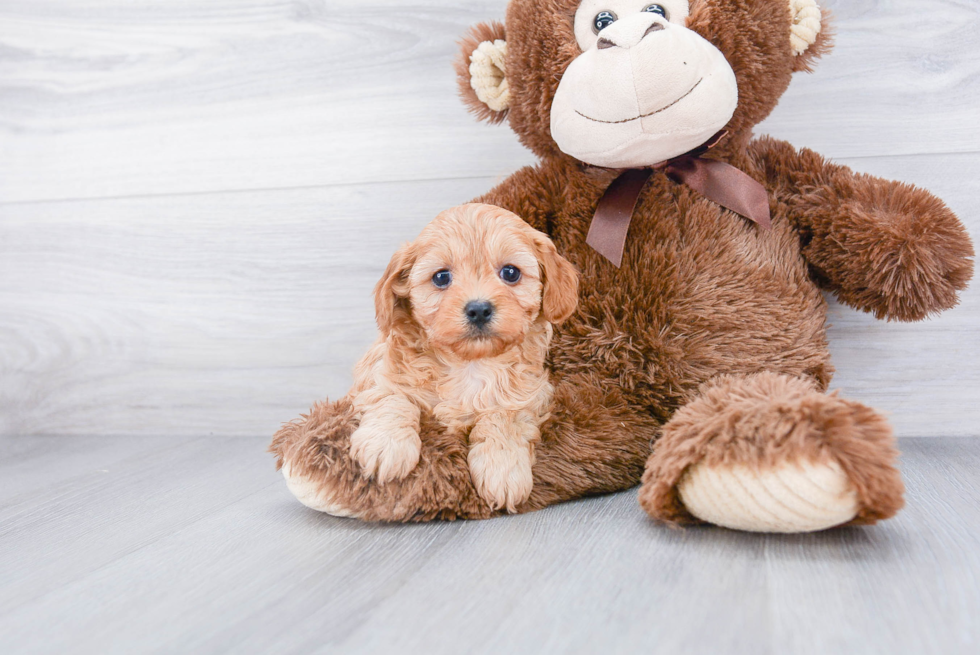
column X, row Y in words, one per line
column 483, row 377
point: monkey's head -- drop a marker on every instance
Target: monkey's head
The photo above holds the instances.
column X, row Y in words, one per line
column 632, row 83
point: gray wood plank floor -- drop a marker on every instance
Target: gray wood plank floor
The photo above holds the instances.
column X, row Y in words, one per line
column 184, row 545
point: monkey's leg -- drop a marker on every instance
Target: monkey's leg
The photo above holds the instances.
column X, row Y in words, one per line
column 770, row 453
column 314, row 454
column 593, row 443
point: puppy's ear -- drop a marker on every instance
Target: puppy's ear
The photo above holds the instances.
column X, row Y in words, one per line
column 560, row 295
column 481, row 71
column 391, row 292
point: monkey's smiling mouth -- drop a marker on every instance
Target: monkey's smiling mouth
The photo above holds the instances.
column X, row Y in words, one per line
column 636, row 118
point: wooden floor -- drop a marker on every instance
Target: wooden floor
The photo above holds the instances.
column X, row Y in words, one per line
column 117, row 545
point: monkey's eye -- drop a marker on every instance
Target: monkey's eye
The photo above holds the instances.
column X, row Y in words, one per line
column 603, row 20
column 442, row 279
column 657, row 9
column 510, row 274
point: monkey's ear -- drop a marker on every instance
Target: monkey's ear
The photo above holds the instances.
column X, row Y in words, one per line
column 810, row 34
column 482, row 72
column 391, row 292
column 560, row 280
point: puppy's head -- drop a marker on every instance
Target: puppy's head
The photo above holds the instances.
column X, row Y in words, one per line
column 475, row 281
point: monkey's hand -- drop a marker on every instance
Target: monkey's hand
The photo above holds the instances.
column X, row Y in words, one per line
column 880, row 246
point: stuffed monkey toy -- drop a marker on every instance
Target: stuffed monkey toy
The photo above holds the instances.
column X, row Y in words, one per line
column 696, row 363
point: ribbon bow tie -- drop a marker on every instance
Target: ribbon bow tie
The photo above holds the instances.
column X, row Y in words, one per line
column 717, row 181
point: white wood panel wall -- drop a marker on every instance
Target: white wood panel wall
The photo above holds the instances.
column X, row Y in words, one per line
column 197, row 197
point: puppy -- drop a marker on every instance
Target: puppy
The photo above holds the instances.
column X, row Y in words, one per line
column 465, row 315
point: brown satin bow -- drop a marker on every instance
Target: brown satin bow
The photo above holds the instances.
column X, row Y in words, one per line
column 717, row 181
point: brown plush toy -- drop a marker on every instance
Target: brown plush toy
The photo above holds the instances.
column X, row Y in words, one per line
column 697, row 359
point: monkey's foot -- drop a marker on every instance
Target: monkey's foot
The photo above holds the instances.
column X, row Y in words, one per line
column 799, row 497
column 771, row 453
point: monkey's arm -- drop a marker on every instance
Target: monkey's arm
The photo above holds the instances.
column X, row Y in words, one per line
column 880, row 246
column 530, row 193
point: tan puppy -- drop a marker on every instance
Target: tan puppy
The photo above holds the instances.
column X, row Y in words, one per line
column 465, row 315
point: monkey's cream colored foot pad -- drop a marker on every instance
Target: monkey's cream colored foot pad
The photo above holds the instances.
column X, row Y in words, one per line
column 312, row 496
column 798, row 497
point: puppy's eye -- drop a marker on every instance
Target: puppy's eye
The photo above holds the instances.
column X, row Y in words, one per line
column 510, row 274
column 656, row 9
column 603, row 20
column 442, row 279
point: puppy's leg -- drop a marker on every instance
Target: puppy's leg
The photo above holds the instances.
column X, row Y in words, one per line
column 500, row 457
column 387, row 444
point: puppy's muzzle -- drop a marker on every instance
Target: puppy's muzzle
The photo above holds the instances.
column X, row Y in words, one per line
column 479, row 313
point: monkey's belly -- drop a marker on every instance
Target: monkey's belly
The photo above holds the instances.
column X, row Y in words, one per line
column 681, row 311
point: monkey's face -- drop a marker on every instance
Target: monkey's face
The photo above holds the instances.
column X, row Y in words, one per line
column 645, row 88
column 632, row 83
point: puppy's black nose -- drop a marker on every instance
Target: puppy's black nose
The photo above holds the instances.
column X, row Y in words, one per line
column 479, row 312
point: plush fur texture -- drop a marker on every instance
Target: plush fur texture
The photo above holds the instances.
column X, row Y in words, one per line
column 710, row 341
column 763, row 419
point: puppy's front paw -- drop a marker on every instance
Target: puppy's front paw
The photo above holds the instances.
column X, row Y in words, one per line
column 386, row 452
column 501, row 472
